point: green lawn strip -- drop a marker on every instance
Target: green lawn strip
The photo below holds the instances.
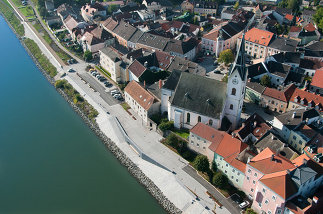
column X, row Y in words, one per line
column 17, row 3
column 9, row 14
column 103, row 70
column 184, row 133
column 41, row 58
column 27, row 11
column 78, row 100
column 125, row 106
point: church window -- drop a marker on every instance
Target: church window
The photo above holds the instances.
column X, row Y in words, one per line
column 188, row 118
column 210, row 122
column 231, row 106
column 233, row 92
column 199, row 119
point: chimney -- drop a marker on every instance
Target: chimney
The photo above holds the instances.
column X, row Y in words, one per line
column 294, row 114
column 131, row 59
column 160, row 84
column 272, row 157
column 145, row 64
column 144, row 84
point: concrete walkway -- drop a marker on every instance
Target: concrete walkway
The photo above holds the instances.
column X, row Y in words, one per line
column 177, row 187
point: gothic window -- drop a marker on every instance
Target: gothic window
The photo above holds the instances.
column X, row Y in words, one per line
column 210, row 122
column 188, row 118
column 231, row 106
column 233, row 92
column 199, row 119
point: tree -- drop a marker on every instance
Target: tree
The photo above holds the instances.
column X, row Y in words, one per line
column 226, row 56
column 318, row 18
column 201, row 163
column 88, row 56
column 43, row 12
column 225, row 78
column 265, row 81
column 250, row 211
column 220, row 180
column 236, row 5
column 112, row 8
column 214, row 166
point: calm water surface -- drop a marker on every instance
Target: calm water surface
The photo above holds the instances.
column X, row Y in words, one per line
column 50, row 161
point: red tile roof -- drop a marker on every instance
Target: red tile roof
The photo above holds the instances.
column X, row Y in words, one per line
column 295, row 29
column 261, row 37
column 266, row 163
column 281, row 183
column 309, row 27
column 209, row 134
column 289, row 17
column 284, row 95
column 141, row 95
column 137, row 68
column 236, row 163
column 318, row 78
column 300, row 160
column 230, row 146
column 110, row 24
column 212, row 35
column 307, row 97
column 307, row 131
column 164, row 59
column 256, row 125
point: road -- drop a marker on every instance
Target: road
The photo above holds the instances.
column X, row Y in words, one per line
column 227, row 202
column 177, row 186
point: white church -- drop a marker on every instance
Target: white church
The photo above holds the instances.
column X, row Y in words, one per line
column 189, row 98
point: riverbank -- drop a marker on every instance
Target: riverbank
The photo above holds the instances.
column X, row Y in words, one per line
column 124, row 160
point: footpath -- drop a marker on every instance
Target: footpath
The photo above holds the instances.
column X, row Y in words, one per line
column 159, row 161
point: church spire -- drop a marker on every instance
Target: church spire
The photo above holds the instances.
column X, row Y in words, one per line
column 240, row 61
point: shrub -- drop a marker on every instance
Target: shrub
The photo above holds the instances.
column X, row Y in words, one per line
column 166, row 125
column 250, row 211
column 88, row 56
column 201, row 163
column 220, row 180
column 60, row 83
column 214, row 167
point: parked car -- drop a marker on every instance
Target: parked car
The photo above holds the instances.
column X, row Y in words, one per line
column 244, row 204
column 215, row 63
column 63, row 75
column 236, row 198
column 71, row 70
column 217, row 71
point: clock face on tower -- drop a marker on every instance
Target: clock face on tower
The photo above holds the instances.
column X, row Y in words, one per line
column 235, row 81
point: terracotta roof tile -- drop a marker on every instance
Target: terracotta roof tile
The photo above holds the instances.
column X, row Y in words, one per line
column 256, row 125
column 258, row 36
column 307, row 97
column 309, row 27
column 284, row 95
column 209, row 134
column 213, row 35
column 281, row 183
column 318, row 78
column 138, row 93
column 268, row 162
column 236, row 163
column 295, row 29
column 229, row 146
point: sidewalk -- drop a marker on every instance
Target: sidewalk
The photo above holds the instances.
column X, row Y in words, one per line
column 174, row 186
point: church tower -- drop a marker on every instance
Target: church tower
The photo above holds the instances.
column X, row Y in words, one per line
column 237, row 78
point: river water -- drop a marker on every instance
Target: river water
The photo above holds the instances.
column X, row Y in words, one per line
column 50, row 161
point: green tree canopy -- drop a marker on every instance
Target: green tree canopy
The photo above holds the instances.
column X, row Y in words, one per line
column 318, row 18
column 290, row 4
column 226, row 56
column 88, row 56
column 236, row 5
column 201, row 163
column 220, row 180
column 250, row 211
column 265, row 81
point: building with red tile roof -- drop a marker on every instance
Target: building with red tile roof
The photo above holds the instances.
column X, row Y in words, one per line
column 141, row 101
column 317, row 82
column 301, row 98
column 277, row 100
column 309, row 27
column 136, row 69
column 257, row 42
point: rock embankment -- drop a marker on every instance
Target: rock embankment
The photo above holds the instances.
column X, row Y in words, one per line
column 124, row 160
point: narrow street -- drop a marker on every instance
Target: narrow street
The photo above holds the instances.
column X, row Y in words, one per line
column 177, row 187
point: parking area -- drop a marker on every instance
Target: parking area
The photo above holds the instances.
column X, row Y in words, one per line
column 97, row 85
column 238, row 202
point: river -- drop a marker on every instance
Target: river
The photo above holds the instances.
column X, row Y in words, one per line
column 50, row 161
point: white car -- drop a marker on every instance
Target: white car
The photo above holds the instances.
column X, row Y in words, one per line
column 244, row 204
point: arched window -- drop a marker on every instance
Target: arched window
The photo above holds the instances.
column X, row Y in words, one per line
column 231, row 106
column 233, row 92
column 210, row 122
column 199, row 119
column 188, row 117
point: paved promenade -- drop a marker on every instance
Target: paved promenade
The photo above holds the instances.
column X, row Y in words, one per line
column 175, row 186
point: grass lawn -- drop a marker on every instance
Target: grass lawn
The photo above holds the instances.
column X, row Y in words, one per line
column 125, row 106
column 27, row 11
column 184, row 133
column 17, row 2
